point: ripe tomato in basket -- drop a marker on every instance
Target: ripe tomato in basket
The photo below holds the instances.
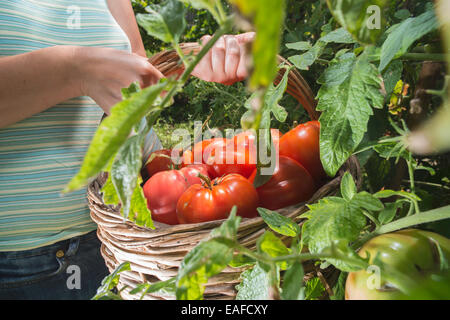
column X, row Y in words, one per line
column 164, row 189
column 202, row 151
column 290, row 184
column 240, row 154
column 302, row 145
column 158, row 161
column 213, row 200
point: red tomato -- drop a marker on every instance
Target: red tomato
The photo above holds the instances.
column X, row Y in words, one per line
column 202, row 152
column 162, row 192
column 201, row 203
column 191, row 173
column 164, row 189
column 302, row 145
column 290, row 184
column 159, row 161
column 240, row 159
column 247, row 138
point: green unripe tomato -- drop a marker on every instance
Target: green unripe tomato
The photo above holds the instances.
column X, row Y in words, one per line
column 412, row 252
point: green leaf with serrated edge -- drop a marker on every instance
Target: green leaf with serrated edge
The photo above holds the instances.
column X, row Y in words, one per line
column 405, row 34
column 108, row 190
column 141, row 215
column 366, row 201
column 329, row 220
column 166, row 288
column 314, row 289
column 305, row 60
column 388, row 214
column 255, row 284
column 165, row 22
column 346, row 108
column 338, row 36
column 301, row 45
column 207, row 259
column 292, row 288
column 390, row 193
column 362, row 18
column 279, row 223
column 267, row 42
column 339, row 288
column 241, row 260
column 125, row 171
column 229, row 227
column 110, row 282
column 348, row 187
column 391, row 75
column 112, row 132
column 273, row 246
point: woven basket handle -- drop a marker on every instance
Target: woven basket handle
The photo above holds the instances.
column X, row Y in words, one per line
column 168, row 63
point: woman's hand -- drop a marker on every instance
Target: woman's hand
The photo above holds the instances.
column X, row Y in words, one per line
column 227, row 61
column 103, row 72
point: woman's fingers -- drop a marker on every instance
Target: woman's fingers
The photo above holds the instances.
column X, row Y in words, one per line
column 226, row 62
column 245, row 38
column 232, row 58
column 218, row 59
column 203, row 70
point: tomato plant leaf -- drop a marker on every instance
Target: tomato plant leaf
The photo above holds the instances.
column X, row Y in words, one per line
column 300, row 45
column 391, row 75
column 338, row 36
column 346, row 106
column 166, row 288
column 113, row 132
column 165, row 22
column 330, row 220
column 110, row 282
column 348, row 187
column 367, row 201
column 272, row 245
column 125, row 170
column 303, row 61
column 403, row 35
column 207, row 259
column 314, row 289
column 279, row 223
column 389, row 193
column 362, row 18
column 141, row 215
column 255, row 284
column 292, row 288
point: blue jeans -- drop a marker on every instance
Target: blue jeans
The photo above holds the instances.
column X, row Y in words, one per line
column 67, row 270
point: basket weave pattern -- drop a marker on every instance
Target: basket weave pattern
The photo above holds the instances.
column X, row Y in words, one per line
column 155, row 255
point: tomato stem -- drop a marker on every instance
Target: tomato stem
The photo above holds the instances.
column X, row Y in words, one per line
column 206, row 180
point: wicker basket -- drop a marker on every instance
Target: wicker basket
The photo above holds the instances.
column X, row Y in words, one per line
column 155, row 255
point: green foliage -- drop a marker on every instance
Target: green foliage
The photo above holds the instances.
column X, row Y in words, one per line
column 255, row 285
column 293, row 288
column 110, row 282
column 351, row 88
column 267, row 42
column 356, row 17
column 206, row 260
column 279, row 223
column 401, row 36
column 165, row 22
column 113, row 132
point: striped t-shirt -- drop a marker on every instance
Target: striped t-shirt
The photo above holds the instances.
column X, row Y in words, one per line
column 39, row 155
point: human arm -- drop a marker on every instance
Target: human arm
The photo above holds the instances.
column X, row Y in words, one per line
column 122, row 11
column 35, row 81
